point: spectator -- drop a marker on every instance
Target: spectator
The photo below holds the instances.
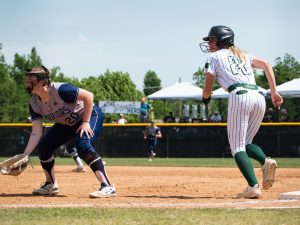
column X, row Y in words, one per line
column 151, row 133
column 283, row 116
column 151, row 113
column 269, row 115
column 122, row 119
column 215, row 117
column 145, row 110
column 170, row 118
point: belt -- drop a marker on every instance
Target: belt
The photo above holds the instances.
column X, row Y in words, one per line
column 243, row 85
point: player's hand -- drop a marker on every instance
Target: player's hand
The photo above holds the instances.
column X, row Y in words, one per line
column 206, row 100
column 276, row 100
column 85, row 128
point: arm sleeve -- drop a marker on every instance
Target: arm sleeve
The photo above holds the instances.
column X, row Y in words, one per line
column 68, row 93
column 209, row 66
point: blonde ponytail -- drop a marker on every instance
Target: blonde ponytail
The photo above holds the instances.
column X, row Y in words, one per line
column 238, row 53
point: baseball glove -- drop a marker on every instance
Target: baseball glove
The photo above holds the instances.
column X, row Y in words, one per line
column 14, row 166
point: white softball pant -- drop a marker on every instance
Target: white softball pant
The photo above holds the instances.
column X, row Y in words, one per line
column 245, row 113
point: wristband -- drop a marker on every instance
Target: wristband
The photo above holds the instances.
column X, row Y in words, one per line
column 84, row 121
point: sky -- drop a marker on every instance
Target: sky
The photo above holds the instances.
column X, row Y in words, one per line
column 87, row 37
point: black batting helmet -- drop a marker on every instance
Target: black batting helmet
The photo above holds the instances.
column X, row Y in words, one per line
column 224, row 35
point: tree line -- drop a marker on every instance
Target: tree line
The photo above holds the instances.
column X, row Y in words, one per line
column 113, row 86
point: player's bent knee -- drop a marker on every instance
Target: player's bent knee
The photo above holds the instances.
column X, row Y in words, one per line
column 90, row 158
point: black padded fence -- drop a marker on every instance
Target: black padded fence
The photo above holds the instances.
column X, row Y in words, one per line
column 179, row 140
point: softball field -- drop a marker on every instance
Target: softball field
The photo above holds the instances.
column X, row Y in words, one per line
column 149, row 187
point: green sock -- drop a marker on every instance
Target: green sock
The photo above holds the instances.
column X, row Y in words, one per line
column 245, row 166
column 255, row 152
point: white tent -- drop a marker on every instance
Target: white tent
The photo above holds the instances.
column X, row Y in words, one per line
column 182, row 90
column 289, row 89
column 221, row 93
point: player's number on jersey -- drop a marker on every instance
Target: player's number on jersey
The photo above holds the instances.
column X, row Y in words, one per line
column 238, row 67
column 72, row 117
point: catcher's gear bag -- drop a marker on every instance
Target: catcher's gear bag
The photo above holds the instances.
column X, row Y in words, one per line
column 15, row 165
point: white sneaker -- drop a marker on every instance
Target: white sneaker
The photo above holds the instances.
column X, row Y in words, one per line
column 268, row 170
column 250, row 192
column 46, row 189
column 104, row 192
column 153, row 154
column 149, row 160
column 79, row 169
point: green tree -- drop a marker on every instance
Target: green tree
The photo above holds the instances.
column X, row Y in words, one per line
column 20, row 96
column 22, row 63
column 286, row 69
column 199, row 77
column 113, row 86
column 151, row 83
column 58, row 76
column 12, row 107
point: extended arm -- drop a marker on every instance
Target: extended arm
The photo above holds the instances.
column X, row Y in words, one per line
column 262, row 64
column 207, row 90
column 87, row 98
column 35, row 136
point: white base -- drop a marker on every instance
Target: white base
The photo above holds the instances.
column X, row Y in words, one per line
column 295, row 195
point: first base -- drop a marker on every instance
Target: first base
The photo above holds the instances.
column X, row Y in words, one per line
column 295, row 195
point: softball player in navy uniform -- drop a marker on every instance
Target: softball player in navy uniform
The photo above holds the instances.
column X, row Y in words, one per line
column 151, row 133
column 74, row 116
column 232, row 68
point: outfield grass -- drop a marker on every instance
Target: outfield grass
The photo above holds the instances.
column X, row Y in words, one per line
column 134, row 216
column 178, row 162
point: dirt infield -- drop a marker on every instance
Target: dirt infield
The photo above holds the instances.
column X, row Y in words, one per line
column 148, row 187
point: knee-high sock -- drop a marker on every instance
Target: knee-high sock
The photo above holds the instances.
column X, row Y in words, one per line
column 98, row 165
column 47, row 165
column 245, row 166
column 255, row 152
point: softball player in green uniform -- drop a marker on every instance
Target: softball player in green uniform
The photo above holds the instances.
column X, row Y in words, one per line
column 232, row 68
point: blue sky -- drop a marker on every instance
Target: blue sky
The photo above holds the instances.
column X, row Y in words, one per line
column 87, row 37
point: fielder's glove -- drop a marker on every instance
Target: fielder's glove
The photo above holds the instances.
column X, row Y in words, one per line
column 14, row 166
column 206, row 100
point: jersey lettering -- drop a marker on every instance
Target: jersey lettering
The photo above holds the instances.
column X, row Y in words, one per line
column 238, row 67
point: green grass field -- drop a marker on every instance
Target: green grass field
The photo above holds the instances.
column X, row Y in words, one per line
column 147, row 216
column 135, row 216
column 179, row 162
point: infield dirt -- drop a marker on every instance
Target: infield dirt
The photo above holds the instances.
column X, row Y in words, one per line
column 148, row 187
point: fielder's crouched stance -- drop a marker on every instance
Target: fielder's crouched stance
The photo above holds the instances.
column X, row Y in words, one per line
column 75, row 117
column 232, row 68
